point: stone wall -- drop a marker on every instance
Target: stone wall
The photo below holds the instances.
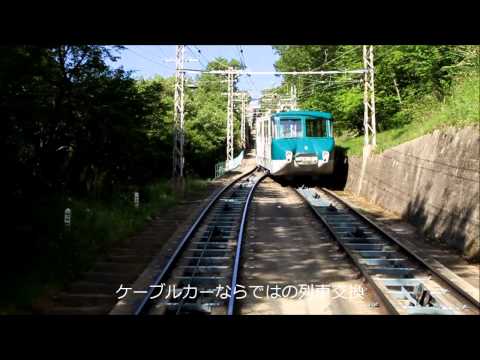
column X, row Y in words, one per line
column 432, row 181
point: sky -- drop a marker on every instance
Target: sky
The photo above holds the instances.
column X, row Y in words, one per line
column 150, row 60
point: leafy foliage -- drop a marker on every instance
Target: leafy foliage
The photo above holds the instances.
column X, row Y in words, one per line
column 404, row 74
column 75, row 132
column 206, row 121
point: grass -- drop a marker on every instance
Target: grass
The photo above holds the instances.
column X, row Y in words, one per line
column 460, row 109
column 58, row 256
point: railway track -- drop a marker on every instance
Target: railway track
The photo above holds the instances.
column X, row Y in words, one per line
column 406, row 283
column 207, row 257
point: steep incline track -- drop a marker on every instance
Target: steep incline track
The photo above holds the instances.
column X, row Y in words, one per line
column 207, row 257
column 405, row 282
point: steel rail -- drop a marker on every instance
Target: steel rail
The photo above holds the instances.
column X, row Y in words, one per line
column 422, row 265
column 367, row 276
column 411, row 252
column 142, row 306
column 241, row 233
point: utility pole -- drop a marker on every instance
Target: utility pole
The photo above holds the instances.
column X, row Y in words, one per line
column 369, row 124
column 368, row 71
column 232, row 97
column 242, row 124
column 396, row 89
column 230, row 116
column 178, row 115
column 293, row 97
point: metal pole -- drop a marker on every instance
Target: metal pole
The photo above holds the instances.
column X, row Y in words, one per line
column 242, row 127
column 230, row 117
column 372, row 98
column 365, row 97
column 240, row 72
column 294, row 97
column 178, row 114
column 397, row 90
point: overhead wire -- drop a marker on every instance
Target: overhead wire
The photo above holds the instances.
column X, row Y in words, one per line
column 153, row 49
column 311, row 83
column 336, row 58
column 213, row 60
column 249, row 77
column 147, row 58
column 195, row 56
column 305, row 95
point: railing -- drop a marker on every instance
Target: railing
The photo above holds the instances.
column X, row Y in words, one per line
column 226, row 166
column 219, row 169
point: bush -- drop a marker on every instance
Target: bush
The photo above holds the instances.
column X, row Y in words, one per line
column 459, row 108
column 47, row 257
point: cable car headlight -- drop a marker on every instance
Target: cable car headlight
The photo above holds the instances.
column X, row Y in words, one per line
column 289, row 156
column 325, row 156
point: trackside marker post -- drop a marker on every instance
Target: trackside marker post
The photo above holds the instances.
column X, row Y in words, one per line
column 67, row 219
column 136, row 199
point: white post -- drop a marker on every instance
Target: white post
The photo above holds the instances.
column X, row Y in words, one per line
column 67, row 219
column 136, row 199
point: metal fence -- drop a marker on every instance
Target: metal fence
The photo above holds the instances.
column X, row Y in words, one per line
column 226, row 166
column 219, row 169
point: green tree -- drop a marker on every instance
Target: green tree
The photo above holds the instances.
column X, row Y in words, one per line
column 403, row 73
column 205, row 119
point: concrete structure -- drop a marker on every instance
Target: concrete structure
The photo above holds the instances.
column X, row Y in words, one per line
column 432, row 181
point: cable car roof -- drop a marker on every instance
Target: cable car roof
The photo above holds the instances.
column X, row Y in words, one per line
column 321, row 114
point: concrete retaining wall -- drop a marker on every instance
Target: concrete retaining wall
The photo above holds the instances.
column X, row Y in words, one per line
column 432, row 181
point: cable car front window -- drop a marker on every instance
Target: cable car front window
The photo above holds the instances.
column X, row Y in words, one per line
column 316, row 127
column 289, row 128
